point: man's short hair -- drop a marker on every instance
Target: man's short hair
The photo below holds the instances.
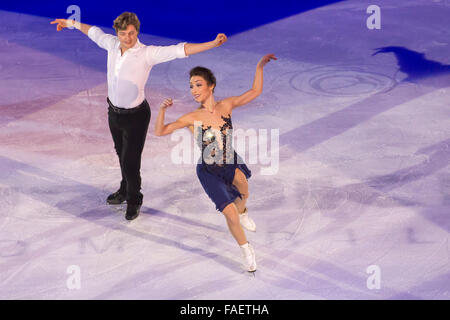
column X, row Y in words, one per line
column 125, row 19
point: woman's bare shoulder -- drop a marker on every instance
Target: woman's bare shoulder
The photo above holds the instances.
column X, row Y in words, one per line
column 190, row 116
column 193, row 117
column 226, row 105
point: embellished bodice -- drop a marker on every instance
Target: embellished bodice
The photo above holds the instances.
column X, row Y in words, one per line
column 216, row 144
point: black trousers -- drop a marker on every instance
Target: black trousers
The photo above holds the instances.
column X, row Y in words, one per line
column 129, row 132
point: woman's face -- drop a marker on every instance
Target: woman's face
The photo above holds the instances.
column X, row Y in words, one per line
column 200, row 89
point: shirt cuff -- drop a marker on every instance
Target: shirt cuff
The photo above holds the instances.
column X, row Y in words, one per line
column 181, row 52
column 92, row 32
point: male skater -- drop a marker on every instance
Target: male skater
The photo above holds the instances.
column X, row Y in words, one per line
column 129, row 65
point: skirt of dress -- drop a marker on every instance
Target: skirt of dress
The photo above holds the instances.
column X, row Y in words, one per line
column 217, row 181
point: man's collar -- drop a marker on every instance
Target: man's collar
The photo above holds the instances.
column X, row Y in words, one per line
column 136, row 46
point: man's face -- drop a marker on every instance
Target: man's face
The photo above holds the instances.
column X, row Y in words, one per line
column 127, row 37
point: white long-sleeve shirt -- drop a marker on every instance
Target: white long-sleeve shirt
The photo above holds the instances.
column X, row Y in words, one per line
column 128, row 74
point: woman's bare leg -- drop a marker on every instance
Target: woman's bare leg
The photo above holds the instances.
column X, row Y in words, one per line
column 241, row 183
column 232, row 215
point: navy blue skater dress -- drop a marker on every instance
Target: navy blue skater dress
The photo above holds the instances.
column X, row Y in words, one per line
column 217, row 166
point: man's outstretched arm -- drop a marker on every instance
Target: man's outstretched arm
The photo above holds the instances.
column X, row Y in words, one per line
column 193, row 48
column 64, row 23
column 103, row 40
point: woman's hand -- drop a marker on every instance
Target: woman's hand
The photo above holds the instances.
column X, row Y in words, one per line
column 166, row 104
column 63, row 23
column 264, row 60
column 220, row 39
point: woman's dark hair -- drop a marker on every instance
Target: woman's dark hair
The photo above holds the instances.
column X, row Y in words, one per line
column 205, row 73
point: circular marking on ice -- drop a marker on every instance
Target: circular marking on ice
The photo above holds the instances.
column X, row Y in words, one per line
column 341, row 81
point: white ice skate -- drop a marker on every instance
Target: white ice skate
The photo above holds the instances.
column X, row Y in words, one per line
column 246, row 221
column 249, row 257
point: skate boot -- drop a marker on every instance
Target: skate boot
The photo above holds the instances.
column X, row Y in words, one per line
column 246, row 221
column 132, row 211
column 249, row 257
column 116, row 198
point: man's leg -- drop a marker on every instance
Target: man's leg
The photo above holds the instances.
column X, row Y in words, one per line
column 117, row 135
column 133, row 145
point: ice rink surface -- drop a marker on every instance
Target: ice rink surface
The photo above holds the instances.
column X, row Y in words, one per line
column 360, row 197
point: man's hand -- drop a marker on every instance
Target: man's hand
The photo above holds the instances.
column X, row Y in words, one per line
column 194, row 48
column 166, row 104
column 220, row 39
column 63, row 23
column 264, row 60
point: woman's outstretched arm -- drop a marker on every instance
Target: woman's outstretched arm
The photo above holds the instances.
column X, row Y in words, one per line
column 257, row 87
column 162, row 129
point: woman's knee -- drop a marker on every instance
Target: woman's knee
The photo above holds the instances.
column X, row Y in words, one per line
column 231, row 213
column 240, row 181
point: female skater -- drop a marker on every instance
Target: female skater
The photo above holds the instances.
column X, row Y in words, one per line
column 221, row 172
